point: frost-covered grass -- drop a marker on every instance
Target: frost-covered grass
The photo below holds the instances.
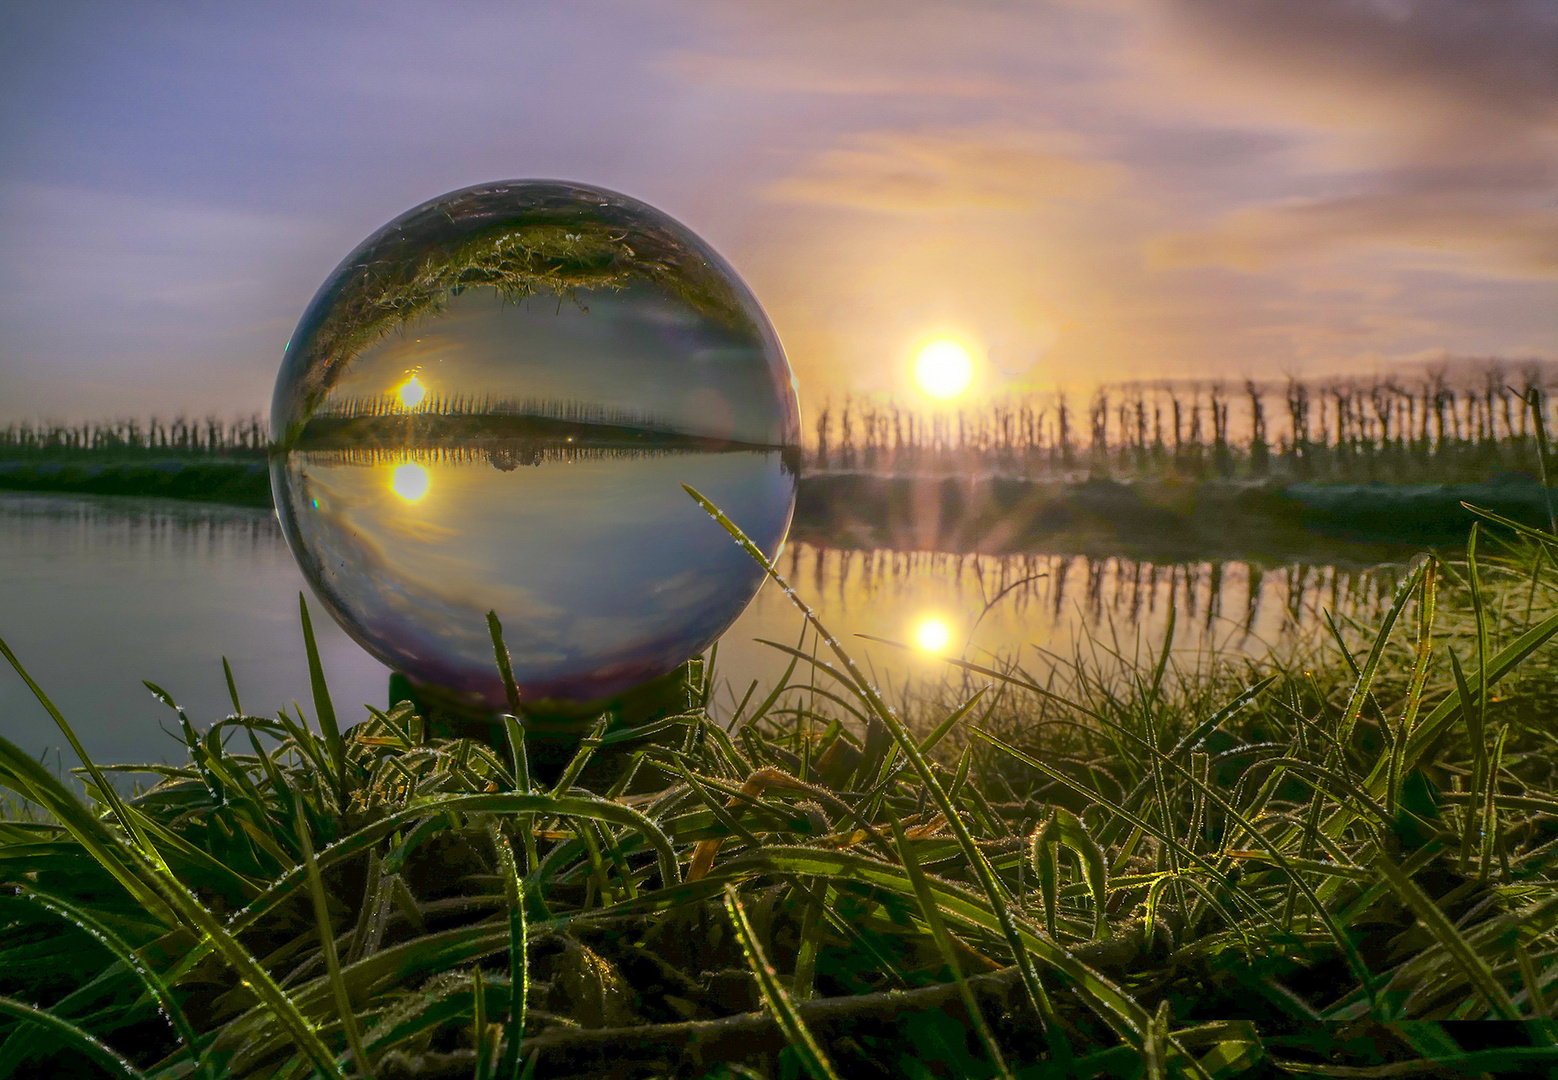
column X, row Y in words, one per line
column 1304, row 865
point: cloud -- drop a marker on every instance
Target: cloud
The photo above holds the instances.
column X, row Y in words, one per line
column 1450, row 230
column 1431, row 129
column 806, row 76
column 100, row 247
column 1492, row 59
column 142, row 303
column 914, row 172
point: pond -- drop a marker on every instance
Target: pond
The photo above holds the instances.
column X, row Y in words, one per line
column 98, row 593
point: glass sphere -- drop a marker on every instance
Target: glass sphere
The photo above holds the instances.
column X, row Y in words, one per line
column 492, row 405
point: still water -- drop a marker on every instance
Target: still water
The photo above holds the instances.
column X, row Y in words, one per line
column 97, row 594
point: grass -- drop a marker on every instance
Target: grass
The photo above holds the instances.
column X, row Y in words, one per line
column 1312, row 865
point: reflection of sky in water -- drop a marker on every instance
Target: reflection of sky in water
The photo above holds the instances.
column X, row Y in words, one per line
column 636, row 350
column 159, row 590
column 1036, row 608
column 603, row 571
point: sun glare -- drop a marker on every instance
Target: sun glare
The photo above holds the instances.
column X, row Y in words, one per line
column 932, row 635
column 943, row 369
column 412, row 392
column 409, row 482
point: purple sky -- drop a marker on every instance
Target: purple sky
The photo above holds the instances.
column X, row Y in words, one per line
column 1086, row 190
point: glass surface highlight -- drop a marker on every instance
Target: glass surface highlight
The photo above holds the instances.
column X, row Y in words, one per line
column 492, row 404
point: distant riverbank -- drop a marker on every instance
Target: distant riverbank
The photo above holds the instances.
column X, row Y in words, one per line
column 1163, row 519
column 244, row 482
column 1159, row 519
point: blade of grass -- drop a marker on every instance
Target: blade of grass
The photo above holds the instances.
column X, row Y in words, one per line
column 519, row 960
column 1533, row 983
column 479, row 1019
column 1438, row 924
column 36, row 784
column 1064, row 827
column 818, row 894
column 343, row 999
column 73, row 1036
column 943, row 940
column 779, row 1004
column 110, row 795
column 581, row 758
column 324, row 709
column 1422, row 654
column 1365, row 681
column 1479, row 753
column 210, row 930
column 1538, row 421
column 232, row 687
column 514, row 731
column 773, row 695
column 1445, row 713
column 91, row 924
column 1490, row 821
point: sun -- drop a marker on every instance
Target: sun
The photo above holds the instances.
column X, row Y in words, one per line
column 932, row 635
column 412, row 392
column 409, row 481
column 943, row 369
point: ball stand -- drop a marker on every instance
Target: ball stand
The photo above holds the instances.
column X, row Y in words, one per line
column 554, row 730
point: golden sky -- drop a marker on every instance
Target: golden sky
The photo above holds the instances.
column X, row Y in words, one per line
column 1083, row 191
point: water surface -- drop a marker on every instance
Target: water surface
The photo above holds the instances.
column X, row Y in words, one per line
column 97, row 594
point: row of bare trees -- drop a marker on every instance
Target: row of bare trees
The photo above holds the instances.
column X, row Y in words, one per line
column 1430, row 428
column 207, row 435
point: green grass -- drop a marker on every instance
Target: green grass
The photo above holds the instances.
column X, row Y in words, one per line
column 1120, row 863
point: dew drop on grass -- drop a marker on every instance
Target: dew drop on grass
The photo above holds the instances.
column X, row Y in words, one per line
column 492, row 404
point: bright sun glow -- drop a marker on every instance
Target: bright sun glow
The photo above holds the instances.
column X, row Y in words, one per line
column 943, row 369
column 932, row 635
column 409, row 482
column 412, row 392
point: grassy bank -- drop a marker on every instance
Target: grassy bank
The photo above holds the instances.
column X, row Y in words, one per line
column 1305, row 867
column 238, row 483
column 1160, row 520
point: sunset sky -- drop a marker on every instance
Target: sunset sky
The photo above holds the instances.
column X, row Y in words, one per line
column 1114, row 189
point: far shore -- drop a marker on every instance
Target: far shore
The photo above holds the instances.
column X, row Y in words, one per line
column 1167, row 519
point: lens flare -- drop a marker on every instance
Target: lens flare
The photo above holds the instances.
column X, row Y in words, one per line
column 943, row 369
column 412, row 392
column 932, row 635
column 409, row 481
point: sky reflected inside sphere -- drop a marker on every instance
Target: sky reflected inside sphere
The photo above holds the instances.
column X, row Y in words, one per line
column 493, row 405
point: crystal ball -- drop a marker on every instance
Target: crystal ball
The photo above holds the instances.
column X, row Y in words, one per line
column 492, row 405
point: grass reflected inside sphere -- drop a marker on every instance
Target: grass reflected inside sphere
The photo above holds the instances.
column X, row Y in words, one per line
column 492, row 404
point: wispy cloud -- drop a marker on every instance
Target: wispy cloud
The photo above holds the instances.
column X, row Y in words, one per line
column 1431, row 127
column 801, row 75
column 1003, row 168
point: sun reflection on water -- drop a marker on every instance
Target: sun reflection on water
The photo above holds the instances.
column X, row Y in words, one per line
column 409, row 481
column 932, row 635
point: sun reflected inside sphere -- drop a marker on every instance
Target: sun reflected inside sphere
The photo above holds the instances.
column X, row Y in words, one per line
column 412, row 393
column 943, row 369
column 409, row 481
column 932, row 635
